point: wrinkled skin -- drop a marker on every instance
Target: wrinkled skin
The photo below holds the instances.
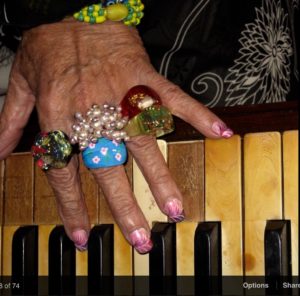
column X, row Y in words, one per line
column 66, row 67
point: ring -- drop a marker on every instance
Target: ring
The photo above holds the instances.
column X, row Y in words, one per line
column 143, row 106
column 155, row 120
column 137, row 99
column 100, row 121
column 51, row 150
column 104, row 153
column 140, row 113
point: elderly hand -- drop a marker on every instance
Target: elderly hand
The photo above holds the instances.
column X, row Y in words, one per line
column 66, row 67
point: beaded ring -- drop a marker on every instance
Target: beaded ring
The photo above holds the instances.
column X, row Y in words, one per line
column 99, row 121
column 128, row 11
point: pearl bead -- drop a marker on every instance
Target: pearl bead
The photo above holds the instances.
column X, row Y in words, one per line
column 111, row 118
column 86, row 126
column 73, row 140
column 95, row 124
column 116, row 134
column 78, row 116
column 100, row 121
column 96, row 112
column 119, row 125
column 83, row 135
column 105, row 118
column 76, row 128
column 97, row 133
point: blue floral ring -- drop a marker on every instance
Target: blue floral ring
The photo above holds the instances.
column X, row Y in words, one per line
column 105, row 153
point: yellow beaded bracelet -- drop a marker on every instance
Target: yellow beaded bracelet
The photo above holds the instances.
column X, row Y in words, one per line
column 128, row 11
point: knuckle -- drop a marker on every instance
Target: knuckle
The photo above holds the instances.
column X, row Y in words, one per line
column 105, row 174
column 63, row 180
column 160, row 178
column 144, row 143
column 167, row 89
column 117, row 191
column 175, row 96
column 171, row 89
column 3, row 124
column 125, row 207
column 71, row 209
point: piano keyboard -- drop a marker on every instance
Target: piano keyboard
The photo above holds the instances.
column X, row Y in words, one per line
column 241, row 201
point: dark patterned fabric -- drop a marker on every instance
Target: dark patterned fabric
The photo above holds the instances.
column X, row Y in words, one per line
column 226, row 52
column 221, row 52
column 29, row 13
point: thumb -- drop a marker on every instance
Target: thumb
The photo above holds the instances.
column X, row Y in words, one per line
column 17, row 108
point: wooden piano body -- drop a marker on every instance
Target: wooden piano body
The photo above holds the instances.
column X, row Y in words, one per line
column 242, row 183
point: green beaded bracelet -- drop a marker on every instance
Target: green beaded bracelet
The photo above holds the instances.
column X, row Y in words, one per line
column 128, row 11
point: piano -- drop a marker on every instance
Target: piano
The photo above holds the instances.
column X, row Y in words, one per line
column 240, row 235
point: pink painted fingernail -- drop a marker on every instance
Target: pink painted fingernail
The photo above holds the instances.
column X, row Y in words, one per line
column 141, row 241
column 81, row 248
column 222, row 130
column 174, row 209
column 80, row 239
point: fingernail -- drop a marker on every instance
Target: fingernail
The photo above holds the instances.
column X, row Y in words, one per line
column 81, row 248
column 222, row 130
column 141, row 241
column 80, row 239
column 174, row 209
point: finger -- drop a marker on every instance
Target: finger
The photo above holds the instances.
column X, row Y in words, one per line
column 153, row 166
column 70, row 202
column 124, row 207
column 188, row 109
column 17, row 108
column 65, row 182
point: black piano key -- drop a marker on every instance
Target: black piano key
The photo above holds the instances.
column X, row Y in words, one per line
column 25, row 260
column 101, row 260
column 278, row 255
column 278, row 248
column 208, row 258
column 62, row 266
column 162, row 259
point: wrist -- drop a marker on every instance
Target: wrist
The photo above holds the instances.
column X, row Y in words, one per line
column 107, row 35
